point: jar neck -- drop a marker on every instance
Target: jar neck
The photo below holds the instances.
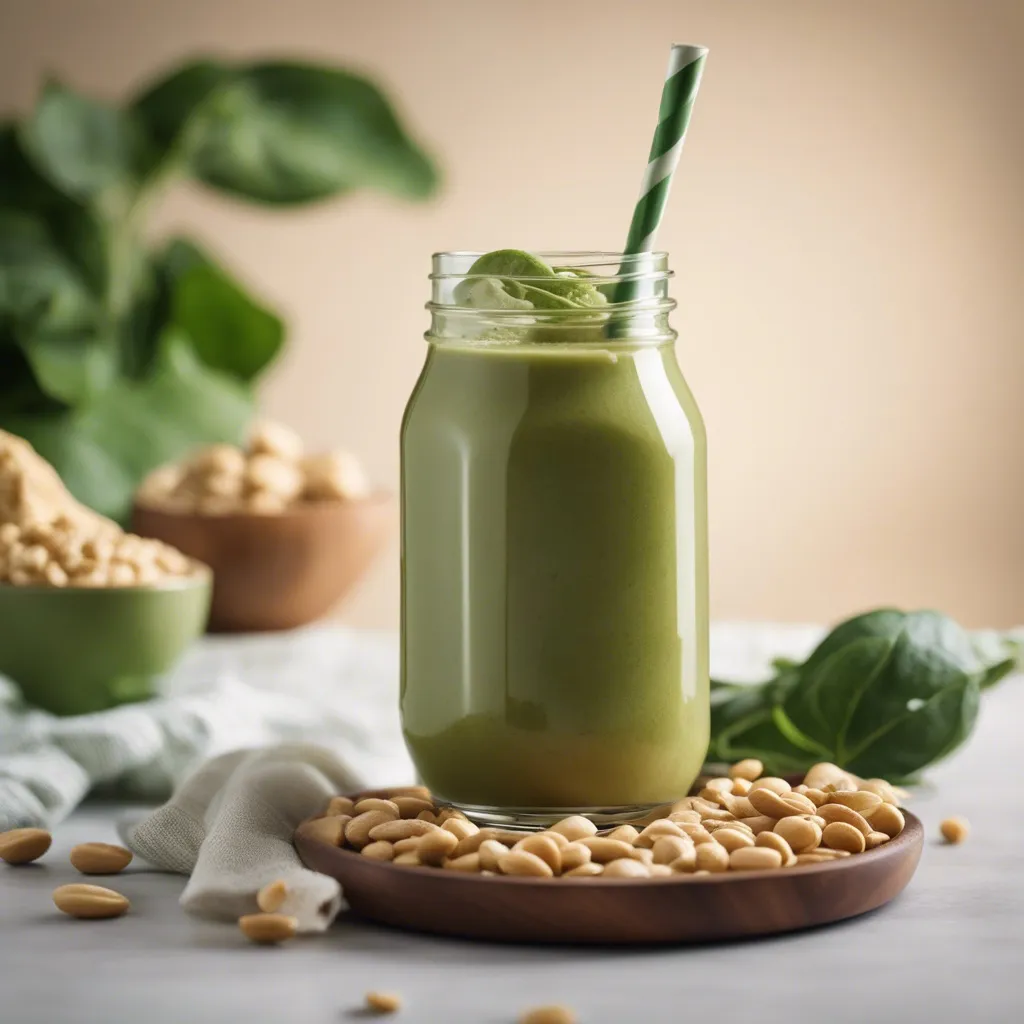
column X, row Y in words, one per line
column 595, row 299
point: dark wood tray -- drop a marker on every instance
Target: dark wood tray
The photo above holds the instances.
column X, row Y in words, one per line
column 598, row 911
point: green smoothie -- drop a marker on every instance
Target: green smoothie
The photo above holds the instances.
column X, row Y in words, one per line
column 554, row 566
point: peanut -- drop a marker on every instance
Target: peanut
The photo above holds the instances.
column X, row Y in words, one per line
column 574, row 855
column 687, row 860
column 603, row 851
column 732, row 839
column 800, row 834
column 89, row 901
column 100, row 858
column 409, row 859
column 469, row 863
column 435, row 847
column 661, row 827
column 268, row 929
column 401, row 828
column 827, row 774
column 330, row 830
column 754, row 858
column 521, row 862
column 548, row 1015
column 840, row 812
column 460, row 828
column 544, row 847
column 874, row 839
column 721, row 784
column 575, row 827
column 357, row 831
column 690, row 817
column 412, row 806
column 491, row 851
column 472, row 843
column 880, row 788
column 383, row 1002
column 642, row 854
column 374, row 803
column 624, row 834
column 857, row 800
column 626, row 868
column 412, row 843
column 954, row 830
column 271, row 897
column 340, row 805
column 773, row 784
column 748, row 769
column 669, row 848
column 378, row 850
column 839, row 835
column 770, row 804
column 557, row 838
column 774, row 841
column 741, row 787
column 660, row 871
column 24, row 845
column 759, row 823
column 588, row 870
column 712, row 857
column 886, row 818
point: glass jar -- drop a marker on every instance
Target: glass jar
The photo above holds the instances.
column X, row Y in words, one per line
column 554, row 553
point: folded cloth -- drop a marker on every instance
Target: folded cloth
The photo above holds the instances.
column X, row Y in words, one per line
column 229, row 826
column 326, row 685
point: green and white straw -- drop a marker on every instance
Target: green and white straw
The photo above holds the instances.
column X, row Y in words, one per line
column 685, row 67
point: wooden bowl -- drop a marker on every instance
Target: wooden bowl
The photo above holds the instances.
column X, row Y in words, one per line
column 280, row 571
column 685, row 908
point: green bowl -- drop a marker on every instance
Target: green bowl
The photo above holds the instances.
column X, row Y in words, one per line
column 76, row 650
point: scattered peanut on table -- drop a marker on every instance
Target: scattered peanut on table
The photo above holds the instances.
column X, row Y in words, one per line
column 24, row 845
column 100, row 858
column 955, row 830
column 383, row 1002
column 743, row 821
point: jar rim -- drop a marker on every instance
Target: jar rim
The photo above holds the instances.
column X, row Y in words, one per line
column 603, row 267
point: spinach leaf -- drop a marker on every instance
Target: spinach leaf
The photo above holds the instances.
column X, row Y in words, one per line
column 885, row 694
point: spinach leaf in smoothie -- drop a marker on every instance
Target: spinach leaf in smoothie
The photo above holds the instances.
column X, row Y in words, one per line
column 885, row 694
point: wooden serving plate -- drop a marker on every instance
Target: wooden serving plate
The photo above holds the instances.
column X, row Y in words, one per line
column 601, row 911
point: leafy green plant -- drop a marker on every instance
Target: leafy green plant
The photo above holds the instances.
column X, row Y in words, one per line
column 116, row 354
column 884, row 695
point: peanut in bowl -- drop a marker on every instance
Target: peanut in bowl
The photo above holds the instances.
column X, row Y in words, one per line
column 287, row 533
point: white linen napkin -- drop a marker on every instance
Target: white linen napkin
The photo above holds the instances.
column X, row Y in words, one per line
column 325, row 685
column 229, row 826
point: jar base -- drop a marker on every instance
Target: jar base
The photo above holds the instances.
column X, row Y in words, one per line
column 539, row 818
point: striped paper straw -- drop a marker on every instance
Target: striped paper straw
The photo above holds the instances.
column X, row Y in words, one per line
column 685, row 66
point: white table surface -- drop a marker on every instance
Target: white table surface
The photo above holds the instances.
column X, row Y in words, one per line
column 951, row 948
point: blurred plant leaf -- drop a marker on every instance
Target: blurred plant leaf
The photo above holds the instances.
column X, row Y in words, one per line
column 73, row 227
column 71, row 366
column 39, row 289
column 85, row 149
column 228, row 329
column 166, row 107
column 101, row 450
column 285, row 133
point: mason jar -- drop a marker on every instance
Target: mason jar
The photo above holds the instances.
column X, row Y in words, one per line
column 554, row 552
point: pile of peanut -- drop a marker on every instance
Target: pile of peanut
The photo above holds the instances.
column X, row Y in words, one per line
column 273, row 474
column 740, row 822
column 49, row 539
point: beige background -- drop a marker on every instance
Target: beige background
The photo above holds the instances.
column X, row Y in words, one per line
column 847, row 227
